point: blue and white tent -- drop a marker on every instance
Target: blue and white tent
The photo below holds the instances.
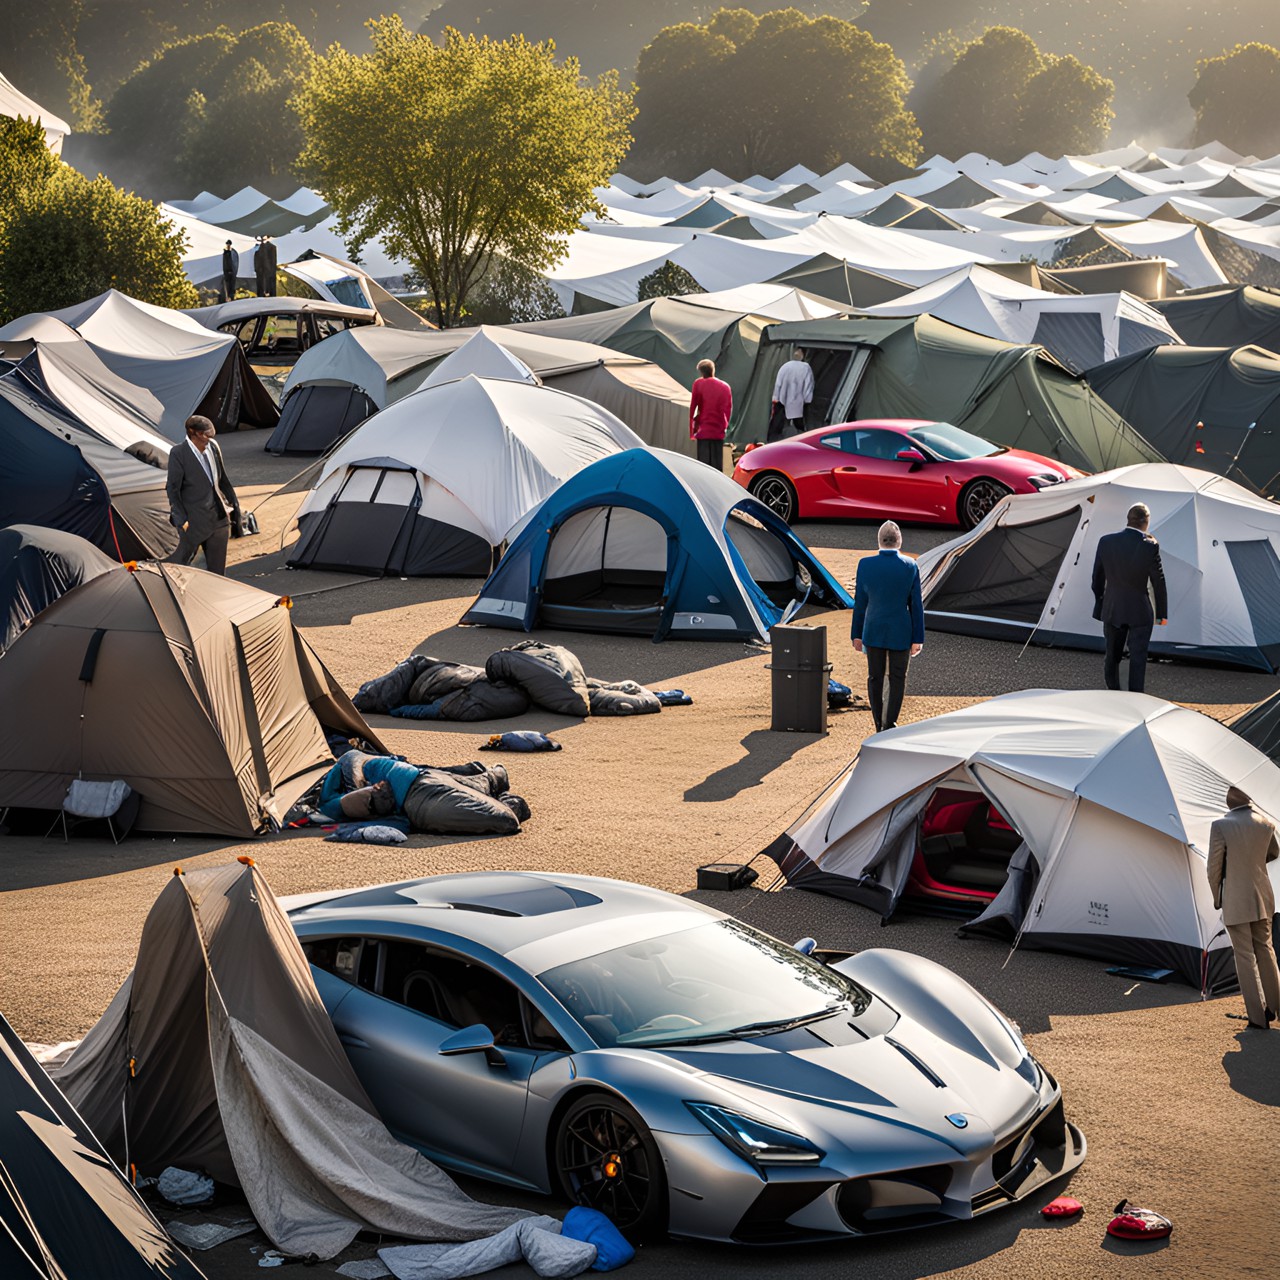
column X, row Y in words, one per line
column 648, row 542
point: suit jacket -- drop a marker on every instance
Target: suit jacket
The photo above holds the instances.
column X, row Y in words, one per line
column 887, row 609
column 1125, row 563
column 192, row 500
column 1240, row 845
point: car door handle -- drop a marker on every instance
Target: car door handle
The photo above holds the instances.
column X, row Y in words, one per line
column 841, row 471
column 352, row 1042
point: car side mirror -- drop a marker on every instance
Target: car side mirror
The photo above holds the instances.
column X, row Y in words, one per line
column 911, row 455
column 476, row 1039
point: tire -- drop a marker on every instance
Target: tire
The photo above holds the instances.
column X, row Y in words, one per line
column 599, row 1133
column 977, row 498
column 777, row 493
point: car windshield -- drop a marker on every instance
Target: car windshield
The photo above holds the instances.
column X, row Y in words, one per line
column 951, row 443
column 710, row 982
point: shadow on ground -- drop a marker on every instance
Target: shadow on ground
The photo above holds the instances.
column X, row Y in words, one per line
column 1254, row 1067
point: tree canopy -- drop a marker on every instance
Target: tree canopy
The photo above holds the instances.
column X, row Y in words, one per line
column 760, row 94
column 455, row 152
column 64, row 238
column 1004, row 97
column 212, row 111
column 1236, row 99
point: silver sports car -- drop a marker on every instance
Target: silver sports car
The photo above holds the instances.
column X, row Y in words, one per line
column 658, row 1060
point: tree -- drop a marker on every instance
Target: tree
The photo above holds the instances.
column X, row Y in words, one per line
column 67, row 239
column 511, row 294
column 1004, row 98
column 25, row 159
column 1236, row 98
column 212, row 111
column 458, row 152
column 667, row 280
column 760, row 95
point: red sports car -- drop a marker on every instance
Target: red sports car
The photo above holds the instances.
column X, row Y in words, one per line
column 903, row 469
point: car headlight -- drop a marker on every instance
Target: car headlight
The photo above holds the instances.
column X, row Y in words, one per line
column 1045, row 480
column 753, row 1139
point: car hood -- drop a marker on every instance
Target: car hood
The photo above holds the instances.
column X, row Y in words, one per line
column 909, row 1077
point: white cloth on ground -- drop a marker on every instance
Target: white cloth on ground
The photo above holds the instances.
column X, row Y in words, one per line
column 536, row 1241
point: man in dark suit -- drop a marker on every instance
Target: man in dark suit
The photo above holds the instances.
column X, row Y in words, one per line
column 202, row 501
column 269, row 265
column 1124, row 565
column 260, row 267
column 230, row 270
column 888, row 622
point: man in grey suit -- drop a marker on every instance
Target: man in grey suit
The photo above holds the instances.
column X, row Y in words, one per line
column 202, row 501
column 1124, row 565
column 1240, row 845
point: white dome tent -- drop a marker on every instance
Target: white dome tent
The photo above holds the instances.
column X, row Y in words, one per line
column 432, row 484
column 1112, row 795
column 1026, row 571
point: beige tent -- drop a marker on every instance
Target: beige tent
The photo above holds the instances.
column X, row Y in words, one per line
column 194, row 689
column 217, row 1054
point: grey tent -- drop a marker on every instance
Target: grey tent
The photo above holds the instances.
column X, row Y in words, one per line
column 1217, row 408
column 194, row 689
column 217, row 1053
column 920, row 367
column 1230, row 316
column 1260, row 726
column 66, row 1211
column 344, row 380
column 37, row 566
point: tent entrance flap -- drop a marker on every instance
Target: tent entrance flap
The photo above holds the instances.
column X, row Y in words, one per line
column 1258, row 575
column 606, row 568
column 1009, row 572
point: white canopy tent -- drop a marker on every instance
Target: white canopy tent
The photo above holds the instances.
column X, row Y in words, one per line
column 1026, row 570
column 431, row 485
column 1082, row 331
column 1112, row 795
column 17, row 106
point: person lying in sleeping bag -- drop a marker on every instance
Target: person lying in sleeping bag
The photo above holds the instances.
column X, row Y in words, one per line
column 356, row 772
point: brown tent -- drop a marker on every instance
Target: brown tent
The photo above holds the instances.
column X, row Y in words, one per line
column 194, row 689
column 217, row 1054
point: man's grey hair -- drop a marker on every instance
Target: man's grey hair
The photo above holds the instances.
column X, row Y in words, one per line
column 1139, row 515
column 797, row 353
column 889, row 535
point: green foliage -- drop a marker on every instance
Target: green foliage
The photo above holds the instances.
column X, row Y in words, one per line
column 1003, row 97
column 66, row 239
column 25, row 159
column 1236, row 99
column 790, row 89
column 668, row 280
column 212, row 110
column 510, row 294
column 458, row 152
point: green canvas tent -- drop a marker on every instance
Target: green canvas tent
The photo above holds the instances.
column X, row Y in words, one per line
column 1230, row 316
column 920, row 367
column 1217, row 408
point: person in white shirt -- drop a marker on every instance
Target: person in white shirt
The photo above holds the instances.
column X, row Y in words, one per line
column 202, row 500
column 792, row 390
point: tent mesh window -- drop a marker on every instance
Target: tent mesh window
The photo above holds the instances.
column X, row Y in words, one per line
column 1258, row 573
column 1008, row 572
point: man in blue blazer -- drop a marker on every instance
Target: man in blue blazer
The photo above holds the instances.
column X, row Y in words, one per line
column 1125, row 564
column 888, row 622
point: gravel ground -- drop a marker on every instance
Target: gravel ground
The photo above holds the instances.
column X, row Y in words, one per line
column 1174, row 1096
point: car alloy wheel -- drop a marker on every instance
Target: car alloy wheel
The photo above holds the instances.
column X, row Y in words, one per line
column 606, row 1159
column 776, row 493
column 977, row 500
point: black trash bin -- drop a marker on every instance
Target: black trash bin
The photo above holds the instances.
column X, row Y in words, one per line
column 800, row 673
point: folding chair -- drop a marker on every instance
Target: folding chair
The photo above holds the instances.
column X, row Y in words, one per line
column 114, row 803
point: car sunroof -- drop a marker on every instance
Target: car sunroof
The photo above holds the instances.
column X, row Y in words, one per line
column 503, row 895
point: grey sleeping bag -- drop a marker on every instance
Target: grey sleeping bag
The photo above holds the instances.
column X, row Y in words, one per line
column 392, row 690
column 550, row 674
column 464, row 692
column 451, row 804
column 622, row 698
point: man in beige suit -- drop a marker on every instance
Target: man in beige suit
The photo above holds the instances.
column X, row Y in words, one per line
column 1241, row 843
